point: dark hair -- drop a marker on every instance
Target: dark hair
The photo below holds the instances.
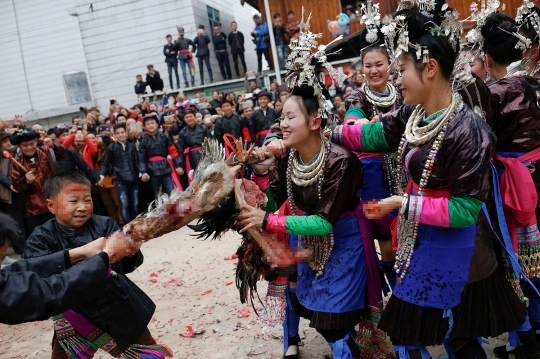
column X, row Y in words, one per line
column 9, row 230
column 119, row 125
column 150, row 66
column 168, row 36
column 138, row 76
column 234, row 22
column 276, row 15
column 290, row 12
column 73, row 119
column 150, row 117
column 339, row 97
column 256, row 16
column 305, row 97
column 90, row 132
column 121, row 115
column 52, row 131
column 366, row 46
column 439, row 47
column 55, row 184
column 499, row 43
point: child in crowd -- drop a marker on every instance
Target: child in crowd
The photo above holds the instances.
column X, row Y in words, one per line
column 117, row 321
column 153, row 162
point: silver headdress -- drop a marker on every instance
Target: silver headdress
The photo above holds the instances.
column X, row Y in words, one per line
column 479, row 15
column 371, row 17
column 396, row 28
column 301, row 71
column 528, row 18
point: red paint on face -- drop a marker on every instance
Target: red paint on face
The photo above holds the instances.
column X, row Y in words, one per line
column 73, row 206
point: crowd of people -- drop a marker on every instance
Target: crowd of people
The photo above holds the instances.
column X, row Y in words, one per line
column 431, row 149
column 183, row 50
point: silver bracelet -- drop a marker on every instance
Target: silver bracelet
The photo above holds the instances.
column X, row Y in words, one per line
column 404, row 204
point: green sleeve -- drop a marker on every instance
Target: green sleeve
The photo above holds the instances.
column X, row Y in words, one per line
column 373, row 139
column 271, row 205
column 355, row 112
column 463, row 211
column 308, row 225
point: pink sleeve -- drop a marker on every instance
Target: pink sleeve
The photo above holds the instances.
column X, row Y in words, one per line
column 277, row 224
column 261, row 181
column 429, row 210
column 349, row 136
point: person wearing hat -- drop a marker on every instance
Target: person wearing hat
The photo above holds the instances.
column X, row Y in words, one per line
column 231, row 123
column 154, row 165
column 190, row 141
column 200, row 44
column 185, row 56
column 30, row 180
column 263, row 118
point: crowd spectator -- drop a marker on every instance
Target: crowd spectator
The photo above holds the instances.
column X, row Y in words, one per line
column 262, row 42
column 263, row 118
column 236, row 42
column 108, row 190
column 122, row 156
column 200, row 43
column 281, row 42
column 293, row 26
column 39, row 129
column 153, row 79
column 220, row 46
column 215, row 102
column 153, row 162
column 140, row 86
column 273, row 91
column 190, row 140
column 349, row 10
column 348, row 90
column 186, row 57
column 169, row 50
column 79, row 142
column 231, row 123
column 278, row 105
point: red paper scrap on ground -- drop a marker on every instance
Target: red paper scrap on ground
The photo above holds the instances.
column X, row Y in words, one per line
column 154, row 281
column 189, row 332
column 245, row 312
column 210, row 309
column 234, row 256
column 228, row 283
column 153, row 274
column 207, row 292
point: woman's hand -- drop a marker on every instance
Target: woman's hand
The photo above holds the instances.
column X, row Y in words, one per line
column 379, row 209
column 278, row 148
column 250, row 217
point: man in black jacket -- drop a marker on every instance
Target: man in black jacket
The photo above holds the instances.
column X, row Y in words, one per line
column 185, row 56
column 200, row 43
column 231, row 123
column 220, row 45
column 124, row 159
column 25, row 285
column 153, row 79
column 236, row 42
column 169, row 50
column 261, row 119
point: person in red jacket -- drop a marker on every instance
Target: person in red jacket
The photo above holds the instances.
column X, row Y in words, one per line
column 81, row 144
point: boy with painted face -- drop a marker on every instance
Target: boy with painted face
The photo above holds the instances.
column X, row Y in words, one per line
column 118, row 318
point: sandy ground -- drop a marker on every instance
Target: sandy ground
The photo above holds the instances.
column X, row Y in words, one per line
column 192, row 284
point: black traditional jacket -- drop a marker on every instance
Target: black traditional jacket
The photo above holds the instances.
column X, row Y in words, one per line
column 190, row 138
column 123, row 310
column 261, row 123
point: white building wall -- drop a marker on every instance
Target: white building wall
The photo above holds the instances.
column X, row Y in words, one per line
column 121, row 37
column 50, row 44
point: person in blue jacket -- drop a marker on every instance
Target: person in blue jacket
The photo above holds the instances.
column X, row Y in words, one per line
column 262, row 41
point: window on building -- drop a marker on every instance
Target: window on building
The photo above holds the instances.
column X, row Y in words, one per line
column 213, row 17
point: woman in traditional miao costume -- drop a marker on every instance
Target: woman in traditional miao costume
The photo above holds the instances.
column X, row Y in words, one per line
column 528, row 20
column 513, row 205
column 377, row 96
column 317, row 184
column 449, row 289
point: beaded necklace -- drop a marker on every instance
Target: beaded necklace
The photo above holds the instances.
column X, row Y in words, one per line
column 321, row 246
column 408, row 229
